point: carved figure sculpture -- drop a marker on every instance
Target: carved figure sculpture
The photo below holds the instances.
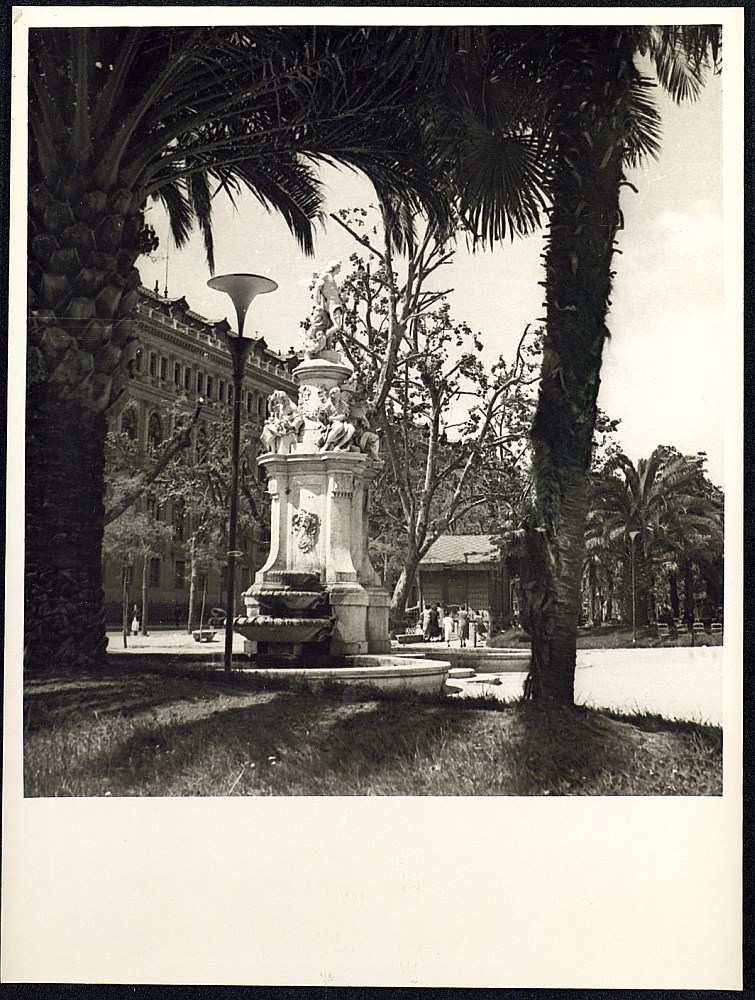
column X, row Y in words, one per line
column 337, row 428
column 282, row 427
column 366, row 440
column 327, row 313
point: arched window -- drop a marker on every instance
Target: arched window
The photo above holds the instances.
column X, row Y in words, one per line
column 154, row 432
column 130, row 423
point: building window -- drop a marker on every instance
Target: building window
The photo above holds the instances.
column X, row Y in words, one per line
column 209, row 386
column 180, row 574
column 176, row 374
column 221, row 391
column 249, row 401
column 138, row 359
column 154, row 432
column 229, row 396
column 154, row 572
column 152, row 363
column 200, row 383
column 163, row 369
column 187, row 378
column 129, row 423
column 260, row 406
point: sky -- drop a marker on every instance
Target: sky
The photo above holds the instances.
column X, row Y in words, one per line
column 663, row 370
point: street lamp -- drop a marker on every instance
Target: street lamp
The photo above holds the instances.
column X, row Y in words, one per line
column 242, row 288
column 632, row 536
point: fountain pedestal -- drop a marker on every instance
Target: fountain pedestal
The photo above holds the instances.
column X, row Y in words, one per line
column 319, row 523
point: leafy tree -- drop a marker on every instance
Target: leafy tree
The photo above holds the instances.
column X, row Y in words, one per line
column 199, row 483
column 121, row 116
column 129, row 473
column 138, row 535
column 440, row 412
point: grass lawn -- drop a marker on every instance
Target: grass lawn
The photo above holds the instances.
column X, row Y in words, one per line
column 145, row 730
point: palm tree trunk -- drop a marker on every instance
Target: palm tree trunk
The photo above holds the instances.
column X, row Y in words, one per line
column 673, row 584
column 82, row 290
column 64, row 619
column 584, row 221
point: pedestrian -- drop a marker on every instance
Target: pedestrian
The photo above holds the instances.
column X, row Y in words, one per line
column 434, row 627
column 135, row 621
column 448, row 626
column 463, row 619
column 426, row 624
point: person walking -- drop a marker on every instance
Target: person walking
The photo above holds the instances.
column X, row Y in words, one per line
column 434, row 627
column 135, row 621
column 463, row 619
column 448, row 626
column 426, row 624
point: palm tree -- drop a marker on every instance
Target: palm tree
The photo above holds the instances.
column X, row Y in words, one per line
column 122, row 116
column 589, row 115
column 662, row 509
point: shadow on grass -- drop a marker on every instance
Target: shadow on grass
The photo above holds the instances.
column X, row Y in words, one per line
column 53, row 699
column 289, row 744
column 568, row 751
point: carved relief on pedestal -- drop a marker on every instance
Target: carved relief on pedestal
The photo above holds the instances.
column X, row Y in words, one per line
column 306, row 525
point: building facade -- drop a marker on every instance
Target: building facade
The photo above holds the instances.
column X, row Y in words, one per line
column 469, row 570
column 182, row 359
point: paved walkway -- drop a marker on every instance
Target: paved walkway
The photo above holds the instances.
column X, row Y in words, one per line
column 173, row 641
column 673, row 682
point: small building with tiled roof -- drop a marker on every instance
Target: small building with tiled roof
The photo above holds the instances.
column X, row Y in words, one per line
column 471, row 570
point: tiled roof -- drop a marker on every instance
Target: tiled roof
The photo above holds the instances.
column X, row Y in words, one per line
column 451, row 550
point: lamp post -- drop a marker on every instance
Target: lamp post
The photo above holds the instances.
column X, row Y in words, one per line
column 632, row 536
column 242, row 288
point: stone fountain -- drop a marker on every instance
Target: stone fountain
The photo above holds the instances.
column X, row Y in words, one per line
column 317, row 607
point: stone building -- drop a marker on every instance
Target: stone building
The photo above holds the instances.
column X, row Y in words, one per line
column 182, row 357
column 469, row 569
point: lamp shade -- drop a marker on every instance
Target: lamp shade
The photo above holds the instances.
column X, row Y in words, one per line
column 242, row 288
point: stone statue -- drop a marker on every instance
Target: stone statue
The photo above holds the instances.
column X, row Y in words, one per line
column 337, row 428
column 327, row 313
column 365, row 439
column 282, row 427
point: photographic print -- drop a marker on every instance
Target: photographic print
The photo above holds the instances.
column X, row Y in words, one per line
column 376, row 382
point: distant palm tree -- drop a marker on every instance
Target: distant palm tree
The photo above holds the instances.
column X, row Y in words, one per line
column 660, row 509
column 122, row 116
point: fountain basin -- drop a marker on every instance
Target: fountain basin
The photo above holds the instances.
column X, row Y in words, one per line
column 266, row 628
column 387, row 673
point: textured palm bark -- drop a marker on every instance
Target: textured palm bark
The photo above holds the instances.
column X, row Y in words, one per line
column 81, row 334
column 583, row 224
column 64, row 600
